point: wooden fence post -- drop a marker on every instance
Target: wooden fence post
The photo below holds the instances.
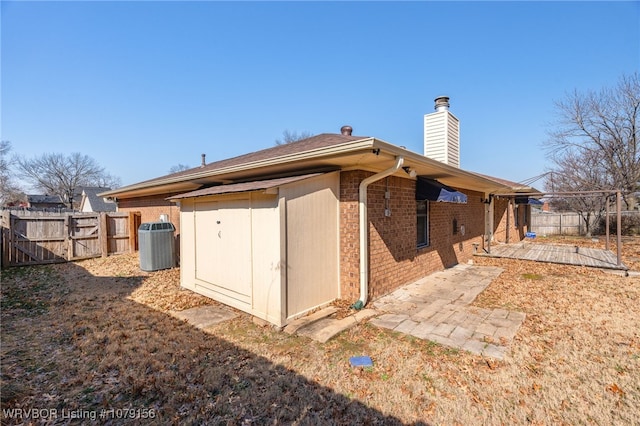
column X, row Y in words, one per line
column 619, row 227
column 12, row 253
column 132, row 232
column 607, row 224
column 67, row 230
column 6, row 238
column 560, row 223
column 103, row 232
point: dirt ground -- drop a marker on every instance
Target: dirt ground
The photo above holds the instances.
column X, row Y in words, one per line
column 94, row 338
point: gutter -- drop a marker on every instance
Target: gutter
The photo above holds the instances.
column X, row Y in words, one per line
column 330, row 151
column 444, row 171
column 364, row 229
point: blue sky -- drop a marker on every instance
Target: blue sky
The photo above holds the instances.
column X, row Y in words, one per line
column 143, row 86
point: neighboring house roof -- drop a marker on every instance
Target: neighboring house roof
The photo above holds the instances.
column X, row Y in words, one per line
column 91, row 201
column 317, row 153
column 44, row 199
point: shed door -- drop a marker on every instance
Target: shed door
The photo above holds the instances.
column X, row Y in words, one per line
column 223, row 247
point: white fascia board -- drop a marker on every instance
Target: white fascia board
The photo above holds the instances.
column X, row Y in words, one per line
column 305, row 155
column 413, row 157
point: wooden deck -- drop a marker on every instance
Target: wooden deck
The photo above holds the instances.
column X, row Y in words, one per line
column 563, row 254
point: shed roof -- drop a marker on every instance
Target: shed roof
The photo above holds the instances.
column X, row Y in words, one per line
column 244, row 186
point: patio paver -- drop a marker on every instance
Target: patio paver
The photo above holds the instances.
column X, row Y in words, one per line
column 440, row 311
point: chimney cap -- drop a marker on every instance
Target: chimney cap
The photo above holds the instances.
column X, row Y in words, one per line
column 203, row 163
column 346, row 130
column 442, row 103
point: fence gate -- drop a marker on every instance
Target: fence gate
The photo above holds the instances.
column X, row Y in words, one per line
column 84, row 238
column 34, row 238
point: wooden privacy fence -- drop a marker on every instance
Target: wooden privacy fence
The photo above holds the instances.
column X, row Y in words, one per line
column 558, row 223
column 570, row 223
column 34, row 238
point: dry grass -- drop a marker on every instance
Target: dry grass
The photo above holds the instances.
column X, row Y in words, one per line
column 96, row 334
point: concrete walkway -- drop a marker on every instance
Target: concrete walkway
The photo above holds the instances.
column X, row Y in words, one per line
column 321, row 326
column 433, row 308
column 436, row 308
column 205, row 316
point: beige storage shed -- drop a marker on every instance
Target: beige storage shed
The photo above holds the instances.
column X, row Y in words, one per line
column 269, row 247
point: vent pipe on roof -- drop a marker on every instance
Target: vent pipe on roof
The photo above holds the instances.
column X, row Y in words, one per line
column 204, row 163
column 346, row 130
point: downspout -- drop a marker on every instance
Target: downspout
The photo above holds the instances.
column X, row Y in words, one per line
column 364, row 229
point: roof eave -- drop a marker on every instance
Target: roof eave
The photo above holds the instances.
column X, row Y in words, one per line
column 445, row 173
column 161, row 184
column 451, row 175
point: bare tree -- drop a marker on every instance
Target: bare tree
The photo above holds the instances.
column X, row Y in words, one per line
column 603, row 125
column 9, row 190
column 573, row 173
column 178, row 168
column 106, row 180
column 289, row 137
column 59, row 174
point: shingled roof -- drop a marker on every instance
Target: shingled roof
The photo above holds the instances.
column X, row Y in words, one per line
column 44, row 199
column 322, row 140
column 97, row 203
column 315, row 154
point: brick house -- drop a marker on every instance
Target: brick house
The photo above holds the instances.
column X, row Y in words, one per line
column 282, row 231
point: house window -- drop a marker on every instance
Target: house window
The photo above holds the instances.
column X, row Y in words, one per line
column 422, row 215
column 516, row 215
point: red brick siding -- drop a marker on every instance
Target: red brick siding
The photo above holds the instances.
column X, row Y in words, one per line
column 392, row 239
column 394, row 259
column 151, row 208
column 514, row 233
column 349, row 234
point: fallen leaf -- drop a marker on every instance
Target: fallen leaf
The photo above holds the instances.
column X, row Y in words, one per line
column 615, row 389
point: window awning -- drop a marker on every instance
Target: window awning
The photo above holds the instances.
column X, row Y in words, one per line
column 432, row 190
column 528, row 200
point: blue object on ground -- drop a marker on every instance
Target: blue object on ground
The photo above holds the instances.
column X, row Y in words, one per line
column 530, row 235
column 361, row 361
